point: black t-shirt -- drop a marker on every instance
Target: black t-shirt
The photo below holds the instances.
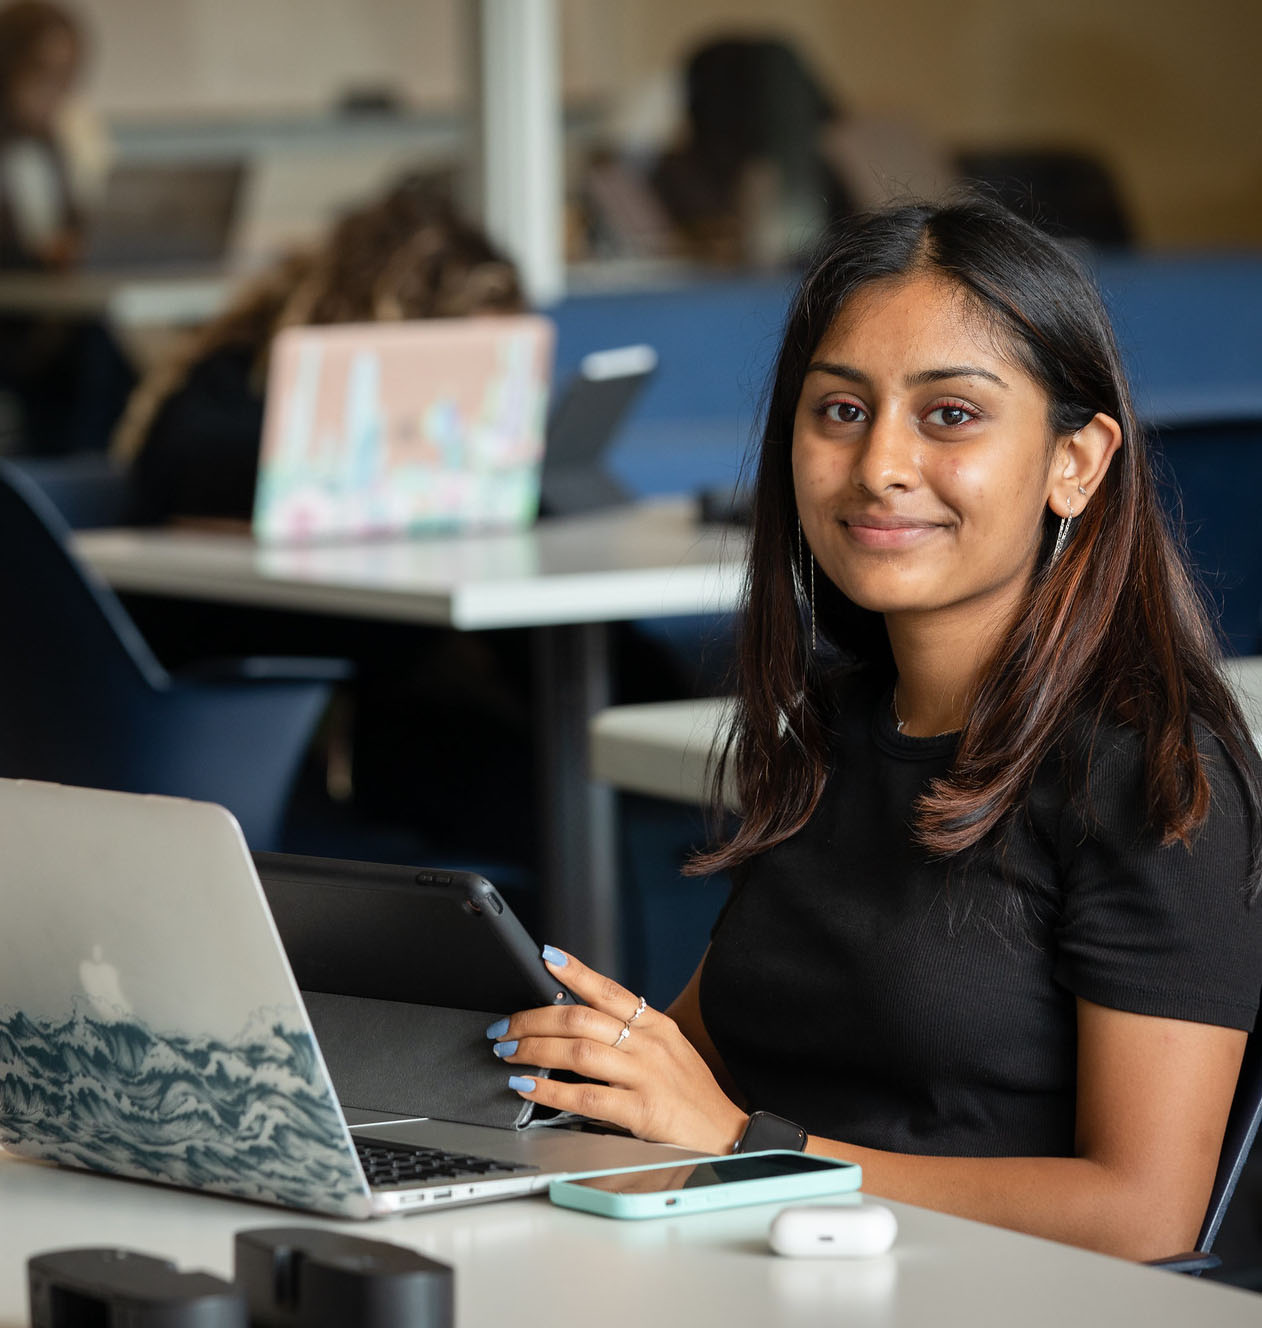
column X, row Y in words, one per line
column 201, row 453
column 886, row 999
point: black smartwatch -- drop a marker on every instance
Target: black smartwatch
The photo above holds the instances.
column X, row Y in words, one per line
column 767, row 1131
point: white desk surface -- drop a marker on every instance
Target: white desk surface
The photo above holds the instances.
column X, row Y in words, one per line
column 525, row 1262
column 661, row 749
column 650, row 560
column 127, row 299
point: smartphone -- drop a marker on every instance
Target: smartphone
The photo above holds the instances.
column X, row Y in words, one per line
column 775, row 1176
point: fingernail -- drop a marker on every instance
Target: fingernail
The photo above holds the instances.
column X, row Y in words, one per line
column 502, row 1049
column 555, row 956
column 519, row 1084
column 498, row 1028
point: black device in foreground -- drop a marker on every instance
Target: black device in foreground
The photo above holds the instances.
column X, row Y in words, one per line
column 286, row 1277
column 96, row 1288
column 584, row 424
column 303, row 1277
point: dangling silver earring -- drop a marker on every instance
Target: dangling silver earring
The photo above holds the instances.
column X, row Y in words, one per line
column 802, row 576
column 1062, row 535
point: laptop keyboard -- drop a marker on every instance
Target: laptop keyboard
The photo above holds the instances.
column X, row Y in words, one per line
column 403, row 1164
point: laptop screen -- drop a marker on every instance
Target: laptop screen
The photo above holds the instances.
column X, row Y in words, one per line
column 400, row 428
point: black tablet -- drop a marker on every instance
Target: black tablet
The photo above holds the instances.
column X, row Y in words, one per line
column 424, row 936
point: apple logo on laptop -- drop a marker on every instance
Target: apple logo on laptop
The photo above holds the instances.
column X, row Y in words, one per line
column 100, row 981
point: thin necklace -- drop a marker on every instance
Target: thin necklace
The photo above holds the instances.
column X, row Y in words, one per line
column 900, row 721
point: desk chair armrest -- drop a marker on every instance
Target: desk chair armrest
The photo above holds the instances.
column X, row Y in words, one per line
column 262, row 668
column 1192, row 1262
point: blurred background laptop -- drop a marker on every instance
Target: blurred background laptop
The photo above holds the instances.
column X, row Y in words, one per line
column 164, row 214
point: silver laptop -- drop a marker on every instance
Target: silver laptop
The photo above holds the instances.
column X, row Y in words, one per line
column 150, row 1027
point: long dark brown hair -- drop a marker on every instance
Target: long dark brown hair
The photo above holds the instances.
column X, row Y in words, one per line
column 406, row 255
column 1111, row 632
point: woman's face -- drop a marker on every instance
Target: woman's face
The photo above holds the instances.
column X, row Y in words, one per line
column 922, row 457
column 45, row 80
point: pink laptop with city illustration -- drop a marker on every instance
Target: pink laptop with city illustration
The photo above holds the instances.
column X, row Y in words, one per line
column 399, row 428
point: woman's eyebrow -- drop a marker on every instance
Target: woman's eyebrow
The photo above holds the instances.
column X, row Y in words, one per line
column 853, row 375
column 955, row 371
column 837, row 371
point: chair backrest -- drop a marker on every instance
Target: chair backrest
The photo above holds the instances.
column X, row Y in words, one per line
column 88, row 489
column 74, row 671
column 1242, row 1129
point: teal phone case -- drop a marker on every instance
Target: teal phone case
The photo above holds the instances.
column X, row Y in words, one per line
column 836, row 1178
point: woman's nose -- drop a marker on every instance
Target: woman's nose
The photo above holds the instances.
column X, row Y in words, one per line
column 888, row 456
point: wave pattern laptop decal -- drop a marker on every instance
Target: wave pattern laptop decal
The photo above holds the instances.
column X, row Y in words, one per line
column 250, row 1117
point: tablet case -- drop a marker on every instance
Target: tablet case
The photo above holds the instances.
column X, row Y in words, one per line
column 401, row 978
column 415, row 1060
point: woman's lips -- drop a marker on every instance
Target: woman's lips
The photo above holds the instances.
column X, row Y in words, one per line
column 888, row 532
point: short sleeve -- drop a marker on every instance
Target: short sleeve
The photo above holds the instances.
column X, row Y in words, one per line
column 1157, row 929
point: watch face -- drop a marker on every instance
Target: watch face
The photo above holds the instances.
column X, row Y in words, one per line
column 766, row 1130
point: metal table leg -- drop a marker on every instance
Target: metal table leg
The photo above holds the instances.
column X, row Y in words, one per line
column 580, row 904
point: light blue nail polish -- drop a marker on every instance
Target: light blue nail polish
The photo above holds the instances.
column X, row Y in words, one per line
column 519, row 1084
column 554, row 956
column 498, row 1028
column 502, row 1049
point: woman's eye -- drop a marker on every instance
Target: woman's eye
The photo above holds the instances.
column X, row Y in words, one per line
column 843, row 412
column 950, row 416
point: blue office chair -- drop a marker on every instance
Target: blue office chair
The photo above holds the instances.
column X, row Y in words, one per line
column 88, row 489
column 84, row 701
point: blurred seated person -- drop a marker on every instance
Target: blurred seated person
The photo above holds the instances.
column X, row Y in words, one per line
column 41, row 54
column 68, row 376
column 193, row 428
column 750, row 184
column 192, row 434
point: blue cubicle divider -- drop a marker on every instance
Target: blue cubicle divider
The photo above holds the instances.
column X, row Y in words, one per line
column 1189, row 325
column 1190, row 329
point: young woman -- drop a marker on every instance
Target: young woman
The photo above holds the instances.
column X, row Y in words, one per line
column 993, row 931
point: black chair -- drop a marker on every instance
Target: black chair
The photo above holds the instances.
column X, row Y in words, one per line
column 1071, row 194
column 84, row 701
column 88, row 489
column 1238, row 1138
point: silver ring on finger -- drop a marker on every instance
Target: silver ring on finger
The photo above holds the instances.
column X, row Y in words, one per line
column 623, row 1035
column 639, row 1010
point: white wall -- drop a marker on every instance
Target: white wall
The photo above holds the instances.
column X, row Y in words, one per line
column 216, row 57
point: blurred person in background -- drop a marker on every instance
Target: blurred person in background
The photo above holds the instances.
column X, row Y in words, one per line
column 192, row 431
column 750, row 183
column 41, row 54
column 69, row 378
column 191, row 437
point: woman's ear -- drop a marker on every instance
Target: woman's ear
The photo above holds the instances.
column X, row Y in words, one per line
column 1082, row 460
